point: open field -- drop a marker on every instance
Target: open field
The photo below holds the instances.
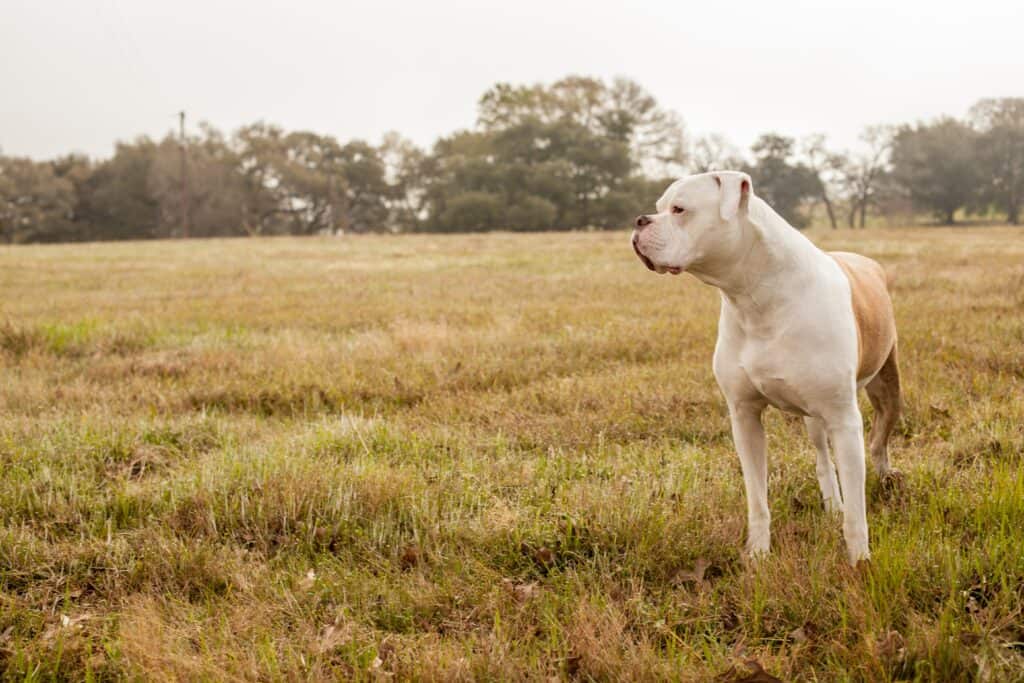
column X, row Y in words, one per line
column 480, row 457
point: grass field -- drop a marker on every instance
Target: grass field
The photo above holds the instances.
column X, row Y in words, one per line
column 481, row 457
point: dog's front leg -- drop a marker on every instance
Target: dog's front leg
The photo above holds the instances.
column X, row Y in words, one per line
column 748, row 435
column 847, row 435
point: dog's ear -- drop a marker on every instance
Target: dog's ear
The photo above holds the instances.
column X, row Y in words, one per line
column 735, row 193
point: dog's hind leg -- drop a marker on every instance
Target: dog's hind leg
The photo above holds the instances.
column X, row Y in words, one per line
column 884, row 393
column 825, row 469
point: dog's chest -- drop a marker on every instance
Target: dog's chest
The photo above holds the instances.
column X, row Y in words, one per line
column 795, row 357
column 775, row 375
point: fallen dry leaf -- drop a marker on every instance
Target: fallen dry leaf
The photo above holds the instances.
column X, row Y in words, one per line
column 891, row 646
column 695, row 575
column 804, row 633
column 572, row 665
column 410, row 557
column 334, row 635
column 386, row 649
column 70, row 622
column 522, row 592
column 748, row 671
column 543, row 556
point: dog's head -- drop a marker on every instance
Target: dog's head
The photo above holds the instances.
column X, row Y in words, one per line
column 697, row 222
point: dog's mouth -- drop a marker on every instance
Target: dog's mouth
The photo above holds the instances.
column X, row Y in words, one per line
column 660, row 270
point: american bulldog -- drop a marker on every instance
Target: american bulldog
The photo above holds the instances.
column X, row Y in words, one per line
column 800, row 329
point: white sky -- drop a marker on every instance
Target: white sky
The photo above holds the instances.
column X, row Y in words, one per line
column 80, row 75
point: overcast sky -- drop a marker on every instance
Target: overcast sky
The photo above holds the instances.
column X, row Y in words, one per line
column 80, row 75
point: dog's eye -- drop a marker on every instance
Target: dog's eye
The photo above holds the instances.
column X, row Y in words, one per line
column 677, row 209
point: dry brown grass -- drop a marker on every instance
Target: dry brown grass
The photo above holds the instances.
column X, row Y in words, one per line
column 479, row 457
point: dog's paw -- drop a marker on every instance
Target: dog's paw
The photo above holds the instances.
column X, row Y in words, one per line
column 893, row 484
column 755, row 552
column 893, row 477
column 857, row 552
column 860, row 569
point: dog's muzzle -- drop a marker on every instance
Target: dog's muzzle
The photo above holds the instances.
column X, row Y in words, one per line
column 660, row 270
column 636, row 247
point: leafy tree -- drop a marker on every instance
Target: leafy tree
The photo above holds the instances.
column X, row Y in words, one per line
column 559, row 155
column 1000, row 153
column 365, row 189
column 781, row 181
column 304, row 183
column 462, row 162
column 259, row 151
column 531, row 213
column 622, row 111
column 115, row 201
column 76, row 169
column 404, row 170
column 471, row 211
column 597, row 166
column 215, row 188
column 934, row 164
column 656, row 136
column 35, row 203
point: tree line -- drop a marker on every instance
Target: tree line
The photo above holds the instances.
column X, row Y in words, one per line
column 577, row 153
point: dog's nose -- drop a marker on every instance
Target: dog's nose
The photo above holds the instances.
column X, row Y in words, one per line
column 642, row 221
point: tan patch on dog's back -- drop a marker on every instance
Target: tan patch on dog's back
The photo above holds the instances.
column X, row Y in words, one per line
column 872, row 309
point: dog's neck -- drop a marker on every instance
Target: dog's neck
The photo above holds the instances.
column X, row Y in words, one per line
column 767, row 267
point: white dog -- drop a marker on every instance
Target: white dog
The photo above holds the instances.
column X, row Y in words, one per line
column 800, row 329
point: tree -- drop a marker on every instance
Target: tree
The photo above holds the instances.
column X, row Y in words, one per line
column 714, row 152
column 863, row 176
column 305, row 183
column 934, row 164
column 531, row 213
column 559, row 155
column 364, row 189
column 1000, row 153
column 827, row 166
column 35, row 203
column 115, row 202
column 472, row 211
column 404, row 170
column 623, row 111
column 76, row 169
column 656, row 136
column 597, row 165
column 258, row 150
column 216, row 190
column 784, row 183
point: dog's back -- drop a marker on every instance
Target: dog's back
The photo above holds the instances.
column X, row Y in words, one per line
column 872, row 309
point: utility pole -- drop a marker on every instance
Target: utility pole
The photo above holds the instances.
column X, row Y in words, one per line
column 184, row 175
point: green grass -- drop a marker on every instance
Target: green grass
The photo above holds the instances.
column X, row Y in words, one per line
column 480, row 457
